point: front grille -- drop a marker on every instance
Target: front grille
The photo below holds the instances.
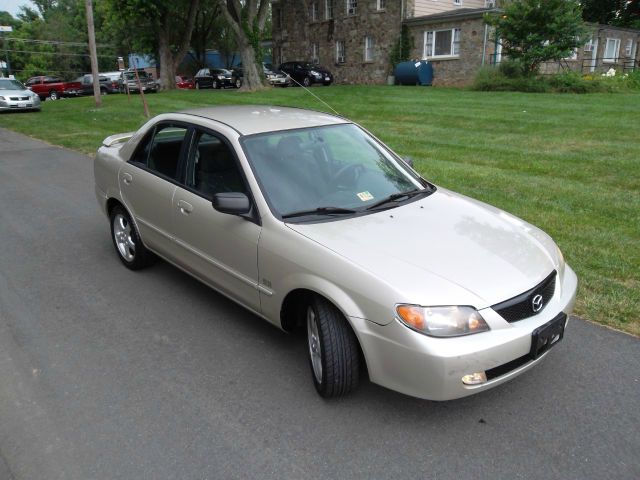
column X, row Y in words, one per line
column 521, row 306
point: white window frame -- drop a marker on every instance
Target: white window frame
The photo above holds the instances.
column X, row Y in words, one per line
column 456, row 34
column 381, row 5
column 340, row 51
column 628, row 48
column 314, row 11
column 489, row 3
column 328, row 9
column 315, row 53
column 588, row 47
column 369, row 48
column 457, row 3
column 352, row 7
column 608, row 58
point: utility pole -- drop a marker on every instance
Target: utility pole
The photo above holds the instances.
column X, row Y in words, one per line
column 6, row 29
column 93, row 53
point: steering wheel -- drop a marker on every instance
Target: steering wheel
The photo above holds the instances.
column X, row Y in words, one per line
column 348, row 175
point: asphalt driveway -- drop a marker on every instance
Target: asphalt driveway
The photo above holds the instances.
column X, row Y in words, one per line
column 111, row 374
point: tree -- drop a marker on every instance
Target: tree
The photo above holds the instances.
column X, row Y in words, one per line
column 162, row 26
column 247, row 20
column 621, row 13
column 537, row 31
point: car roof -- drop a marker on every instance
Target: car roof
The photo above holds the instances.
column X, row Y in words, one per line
column 252, row 119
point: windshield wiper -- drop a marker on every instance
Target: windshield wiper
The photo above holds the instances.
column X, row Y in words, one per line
column 320, row 211
column 394, row 197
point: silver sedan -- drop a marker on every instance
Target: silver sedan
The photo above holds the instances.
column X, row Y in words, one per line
column 311, row 222
column 15, row 96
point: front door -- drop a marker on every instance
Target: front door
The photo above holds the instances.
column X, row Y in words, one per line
column 220, row 249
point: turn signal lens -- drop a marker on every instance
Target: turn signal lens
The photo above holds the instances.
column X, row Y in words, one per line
column 450, row 321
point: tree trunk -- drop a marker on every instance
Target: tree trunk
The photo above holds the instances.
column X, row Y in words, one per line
column 167, row 65
column 253, row 74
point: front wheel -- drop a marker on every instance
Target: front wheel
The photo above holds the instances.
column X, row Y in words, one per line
column 197, row 86
column 238, row 83
column 306, row 82
column 333, row 350
column 214, row 85
column 133, row 254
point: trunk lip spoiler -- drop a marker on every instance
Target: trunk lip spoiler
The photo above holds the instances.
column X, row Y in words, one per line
column 116, row 139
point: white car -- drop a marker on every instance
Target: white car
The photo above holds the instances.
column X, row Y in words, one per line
column 310, row 222
column 15, row 96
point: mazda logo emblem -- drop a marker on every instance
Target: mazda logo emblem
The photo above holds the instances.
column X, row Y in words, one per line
column 537, row 303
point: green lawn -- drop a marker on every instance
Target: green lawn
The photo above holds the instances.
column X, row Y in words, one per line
column 567, row 163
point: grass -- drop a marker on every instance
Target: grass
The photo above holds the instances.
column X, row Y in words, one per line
column 567, row 163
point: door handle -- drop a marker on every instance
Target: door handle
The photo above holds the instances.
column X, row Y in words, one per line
column 185, row 208
column 127, row 178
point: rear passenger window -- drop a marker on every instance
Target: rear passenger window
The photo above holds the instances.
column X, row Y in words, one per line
column 160, row 151
column 213, row 168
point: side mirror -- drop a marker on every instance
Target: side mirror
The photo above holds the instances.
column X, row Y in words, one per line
column 232, row 203
column 408, row 161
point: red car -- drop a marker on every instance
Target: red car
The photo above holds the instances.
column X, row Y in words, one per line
column 184, row 82
column 53, row 87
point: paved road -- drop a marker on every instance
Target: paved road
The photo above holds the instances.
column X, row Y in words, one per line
column 111, row 374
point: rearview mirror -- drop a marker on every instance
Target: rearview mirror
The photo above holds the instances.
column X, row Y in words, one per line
column 232, row 203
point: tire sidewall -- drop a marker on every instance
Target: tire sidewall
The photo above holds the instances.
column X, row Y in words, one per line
column 140, row 258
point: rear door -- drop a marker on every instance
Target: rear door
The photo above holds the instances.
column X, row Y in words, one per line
column 148, row 183
column 220, row 249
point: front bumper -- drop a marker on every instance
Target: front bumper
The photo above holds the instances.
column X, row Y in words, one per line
column 33, row 103
column 278, row 81
column 432, row 368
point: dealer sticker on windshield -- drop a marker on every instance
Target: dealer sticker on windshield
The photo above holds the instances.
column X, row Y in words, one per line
column 364, row 196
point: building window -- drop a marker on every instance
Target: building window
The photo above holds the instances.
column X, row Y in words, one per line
column 628, row 47
column 328, row 9
column 313, row 11
column 315, row 53
column 381, row 4
column 611, row 50
column 442, row 43
column 340, row 53
column 489, row 3
column 369, row 45
column 588, row 47
column 352, row 7
column 457, row 2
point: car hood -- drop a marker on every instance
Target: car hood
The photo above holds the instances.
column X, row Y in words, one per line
column 16, row 93
column 444, row 249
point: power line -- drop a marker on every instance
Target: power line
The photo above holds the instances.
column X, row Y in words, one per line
column 58, row 53
column 56, row 42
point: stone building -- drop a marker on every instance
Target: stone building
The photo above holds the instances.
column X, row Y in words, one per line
column 354, row 38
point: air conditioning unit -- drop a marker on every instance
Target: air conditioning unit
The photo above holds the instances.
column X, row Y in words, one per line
column 351, row 11
column 588, row 47
column 315, row 61
column 340, row 59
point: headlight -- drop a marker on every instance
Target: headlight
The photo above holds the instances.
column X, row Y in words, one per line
column 315, row 74
column 220, row 77
column 442, row 321
column 561, row 262
column 2, row 98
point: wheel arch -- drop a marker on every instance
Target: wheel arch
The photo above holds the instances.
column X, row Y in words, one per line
column 292, row 314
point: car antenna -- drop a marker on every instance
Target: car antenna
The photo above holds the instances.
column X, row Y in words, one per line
column 313, row 94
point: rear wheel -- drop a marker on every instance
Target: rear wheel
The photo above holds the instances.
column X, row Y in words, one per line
column 133, row 254
column 333, row 349
column 53, row 95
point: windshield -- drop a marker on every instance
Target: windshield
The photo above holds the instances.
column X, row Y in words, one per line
column 132, row 75
column 312, row 66
column 337, row 166
column 10, row 84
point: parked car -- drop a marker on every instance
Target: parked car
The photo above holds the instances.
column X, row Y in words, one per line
column 307, row 74
column 15, row 96
column 53, row 87
column 275, row 77
column 107, row 85
column 309, row 221
column 216, row 78
column 128, row 81
column 184, row 82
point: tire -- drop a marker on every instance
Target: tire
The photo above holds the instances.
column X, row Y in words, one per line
column 103, row 91
column 126, row 240
column 306, row 82
column 197, row 86
column 53, row 95
column 238, row 83
column 215, row 85
column 333, row 350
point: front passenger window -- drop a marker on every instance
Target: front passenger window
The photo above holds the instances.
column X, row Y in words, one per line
column 213, row 168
